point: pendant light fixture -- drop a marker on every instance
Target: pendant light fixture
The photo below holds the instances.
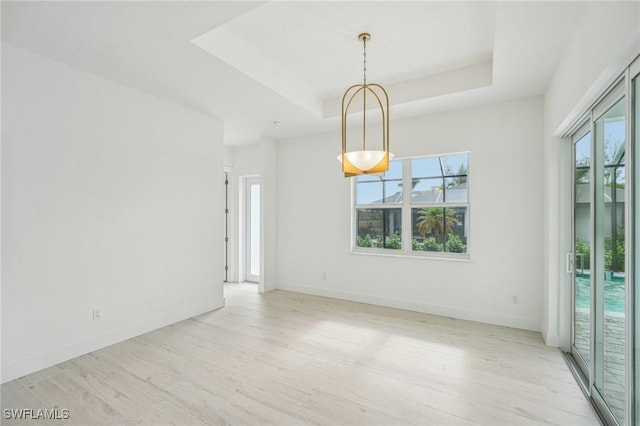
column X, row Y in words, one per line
column 365, row 161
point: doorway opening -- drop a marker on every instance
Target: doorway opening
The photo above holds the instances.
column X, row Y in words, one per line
column 252, row 252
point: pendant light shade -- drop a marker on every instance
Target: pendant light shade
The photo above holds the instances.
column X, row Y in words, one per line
column 364, row 160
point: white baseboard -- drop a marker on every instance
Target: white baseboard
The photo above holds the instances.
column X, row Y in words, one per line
column 64, row 353
column 445, row 311
column 550, row 339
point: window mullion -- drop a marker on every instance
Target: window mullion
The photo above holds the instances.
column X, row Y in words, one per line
column 407, row 230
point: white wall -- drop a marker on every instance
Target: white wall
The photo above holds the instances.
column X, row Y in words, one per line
column 268, row 215
column 111, row 199
column 227, row 157
column 607, row 37
column 505, row 144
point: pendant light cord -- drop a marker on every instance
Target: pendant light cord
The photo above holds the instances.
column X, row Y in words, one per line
column 364, row 60
column 364, row 93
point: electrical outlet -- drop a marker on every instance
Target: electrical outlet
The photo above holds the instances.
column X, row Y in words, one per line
column 515, row 299
column 96, row 314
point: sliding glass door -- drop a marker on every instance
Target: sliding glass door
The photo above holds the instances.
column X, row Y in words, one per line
column 605, row 234
column 635, row 254
column 609, row 255
column 582, row 191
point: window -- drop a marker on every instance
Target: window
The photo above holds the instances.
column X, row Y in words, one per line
column 436, row 209
column 379, row 209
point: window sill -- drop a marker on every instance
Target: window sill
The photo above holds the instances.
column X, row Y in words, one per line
column 401, row 254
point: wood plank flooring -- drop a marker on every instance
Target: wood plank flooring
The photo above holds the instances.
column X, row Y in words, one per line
column 290, row 359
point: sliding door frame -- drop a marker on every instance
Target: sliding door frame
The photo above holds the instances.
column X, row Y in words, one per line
column 585, row 128
column 621, row 87
column 633, row 318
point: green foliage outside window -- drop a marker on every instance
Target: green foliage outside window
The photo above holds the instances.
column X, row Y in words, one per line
column 608, row 255
column 432, row 220
column 365, row 242
column 582, row 249
column 393, row 242
column 429, row 244
column 583, row 254
column 454, row 244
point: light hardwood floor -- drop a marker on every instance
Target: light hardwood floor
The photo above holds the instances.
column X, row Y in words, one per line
column 289, row 359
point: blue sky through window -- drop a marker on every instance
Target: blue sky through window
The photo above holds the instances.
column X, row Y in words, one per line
column 583, row 150
column 370, row 188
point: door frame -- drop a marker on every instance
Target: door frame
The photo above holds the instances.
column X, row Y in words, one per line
column 620, row 87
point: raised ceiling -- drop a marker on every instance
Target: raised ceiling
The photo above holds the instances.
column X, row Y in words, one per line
column 309, row 52
column 251, row 64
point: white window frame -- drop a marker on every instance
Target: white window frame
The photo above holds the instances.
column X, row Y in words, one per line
column 406, row 207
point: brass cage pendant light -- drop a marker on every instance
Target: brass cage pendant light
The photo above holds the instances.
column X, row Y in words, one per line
column 365, row 161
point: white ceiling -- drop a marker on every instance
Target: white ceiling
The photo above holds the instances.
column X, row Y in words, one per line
column 251, row 64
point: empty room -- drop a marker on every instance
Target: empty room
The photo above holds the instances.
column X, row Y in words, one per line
column 316, row 212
